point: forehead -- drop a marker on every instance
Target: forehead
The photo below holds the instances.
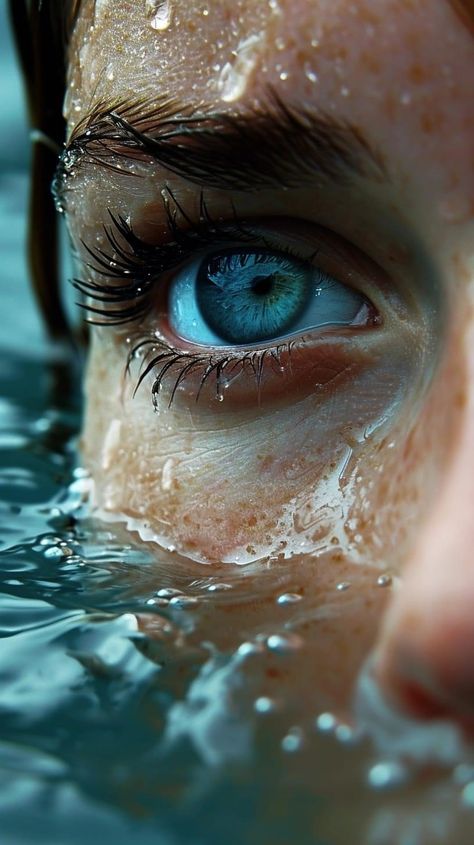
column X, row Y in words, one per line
column 224, row 50
column 395, row 68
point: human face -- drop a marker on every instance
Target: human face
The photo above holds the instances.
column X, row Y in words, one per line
column 331, row 145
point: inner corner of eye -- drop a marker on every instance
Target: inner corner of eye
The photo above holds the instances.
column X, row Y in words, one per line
column 240, row 296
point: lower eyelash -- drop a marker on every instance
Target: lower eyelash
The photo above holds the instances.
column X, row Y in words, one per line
column 162, row 361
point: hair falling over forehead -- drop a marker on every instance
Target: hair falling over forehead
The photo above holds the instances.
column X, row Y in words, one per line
column 41, row 30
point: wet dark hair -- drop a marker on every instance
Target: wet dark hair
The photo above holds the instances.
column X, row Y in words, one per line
column 42, row 29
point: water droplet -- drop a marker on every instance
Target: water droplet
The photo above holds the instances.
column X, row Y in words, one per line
column 343, row 586
column 248, row 649
column 293, row 741
column 184, row 602
column 159, row 13
column 387, row 775
column 81, row 472
column 384, row 581
column 167, row 475
column 284, row 75
column 289, row 598
column 326, row 723
column 345, row 734
column 55, row 552
column 310, row 74
column 168, row 593
column 264, row 705
column 284, row 643
column 467, row 795
column 405, row 98
column 233, row 78
column 345, row 91
column 217, row 588
column 220, row 397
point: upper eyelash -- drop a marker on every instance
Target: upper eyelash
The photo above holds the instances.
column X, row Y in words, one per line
column 140, row 266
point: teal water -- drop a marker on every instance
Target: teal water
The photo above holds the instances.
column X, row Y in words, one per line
column 122, row 719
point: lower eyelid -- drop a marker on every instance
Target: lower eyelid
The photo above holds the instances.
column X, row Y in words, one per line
column 264, row 379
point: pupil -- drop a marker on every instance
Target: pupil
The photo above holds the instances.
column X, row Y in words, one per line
column 262, row 285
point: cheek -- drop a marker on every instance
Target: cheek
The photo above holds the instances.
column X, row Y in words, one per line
column 398, row 482
column 220, row 486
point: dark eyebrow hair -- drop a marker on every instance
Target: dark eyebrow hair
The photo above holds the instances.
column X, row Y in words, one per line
column 273, row 145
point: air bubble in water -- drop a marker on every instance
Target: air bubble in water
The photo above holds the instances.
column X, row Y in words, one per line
column 326, row 723
column 264, row 705
column 343, row 586
column 293, row 741
column 159, row 13
column 168, row 593
column 387, row 775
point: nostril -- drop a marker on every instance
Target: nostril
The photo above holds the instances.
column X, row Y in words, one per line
column 422, row 703
column 414, row 690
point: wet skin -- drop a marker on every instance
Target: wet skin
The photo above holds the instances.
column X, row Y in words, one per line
column 353, row 455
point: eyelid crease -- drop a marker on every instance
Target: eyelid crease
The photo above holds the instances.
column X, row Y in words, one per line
column 271, row 145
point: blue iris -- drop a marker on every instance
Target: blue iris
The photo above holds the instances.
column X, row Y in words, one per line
column 237, row 297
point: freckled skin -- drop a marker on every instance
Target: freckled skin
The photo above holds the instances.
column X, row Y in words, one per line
column 248, row 482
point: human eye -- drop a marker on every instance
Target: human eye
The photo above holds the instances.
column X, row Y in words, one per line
column 242, row 296
column 251, row 311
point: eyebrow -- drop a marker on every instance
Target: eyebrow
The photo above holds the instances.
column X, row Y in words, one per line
column 275, row 145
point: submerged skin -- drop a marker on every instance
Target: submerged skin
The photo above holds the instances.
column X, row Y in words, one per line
column 358, row 458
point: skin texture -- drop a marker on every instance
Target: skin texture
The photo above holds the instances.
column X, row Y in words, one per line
column 358, row 459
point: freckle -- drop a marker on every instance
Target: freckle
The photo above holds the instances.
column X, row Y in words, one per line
column 370, row 62
column 431, row 122
column 390, row 106
column 417, row 74
column 272, row 672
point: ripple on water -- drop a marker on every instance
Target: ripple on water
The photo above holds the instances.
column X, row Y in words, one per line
column 118, row 715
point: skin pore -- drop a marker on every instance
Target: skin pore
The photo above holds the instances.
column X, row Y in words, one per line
column 327, row 462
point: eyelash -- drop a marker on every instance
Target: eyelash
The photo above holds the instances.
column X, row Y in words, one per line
column 131, row 274
column 143, row 264
column 140, row 268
